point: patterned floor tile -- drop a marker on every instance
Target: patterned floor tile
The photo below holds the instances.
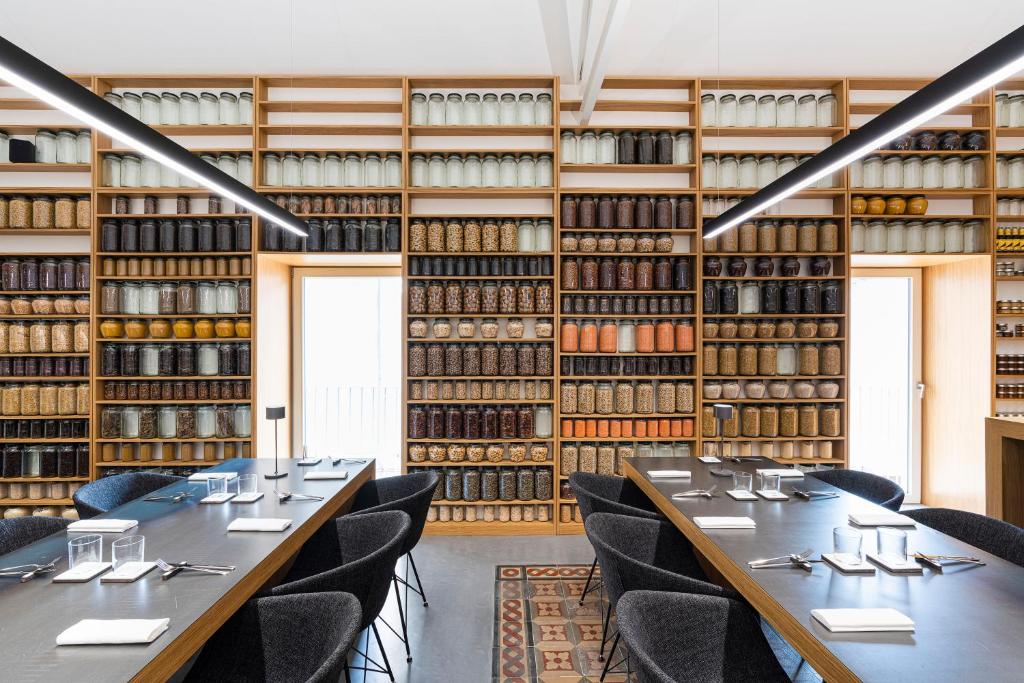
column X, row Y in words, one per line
column 553, row 607
column 543, row 589
column 554, row 632
column 545, row 571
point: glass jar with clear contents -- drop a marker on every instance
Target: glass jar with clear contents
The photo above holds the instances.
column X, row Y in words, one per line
column 682, row 148
column 272, row 170
column 508, row 171
column 747, row 171
column 913, row 172
column 746, row 111
column 568, row 148
column 471, row 110
column 709, row 171
column 418, row 170
column 150, row 108
column 393, row 170
column 67, row 147
column 786, row 111
column 372, row 170
column 418, row 109
column 807, row 111
column 727, row 110
column 526, row 171
column 209, row 109
column 586, row 148
column 170, row 109
column 435, row 109
column 507, row 109
column 332, row 170
column 892, row 173
column 542, row 110
column 931, row 172
column 454, row 171
column 526, row 113
column 245, row 108
column 489, row 170
column 767, row 170
column 291, row 170
column 227, row 111
column 766, row 111
column 311, row 173
column 826, row 111
column 353, row 170
column 472, row 171
column 489, row 109
column 728, row 171
column 974, row 172
column 437, row 171
column 606, row 148
column 545, row 170
column 952, row 173
column 453, row 109
column 708, row 110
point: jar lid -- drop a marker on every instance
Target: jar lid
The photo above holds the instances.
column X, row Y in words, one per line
column 766, row 98
column 728, row 96
column 228, row 96
column 807, row 98
column 169, row 95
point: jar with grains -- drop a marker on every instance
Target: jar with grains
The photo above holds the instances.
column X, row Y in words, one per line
column 569, row 459
column 710, row 361
column 40, row 339
column 567, row 398
column 435, row 236
column 807, row 237
column 64, row 213
column 604, row 399
column 489, row 298
column 466, row 328
column 624, row 398
column 42, row 212
column 418, row 328
column 684, row 397
column 730, row 390
column 435, row 298
column 710, row 329
column 471, row 298
column 767, row 237
column 748, row 359
column 453, row 237
column 746, row 329
column 807, row 329
column 48, row 401
column 587, row 243
column 828, row 328
column 807, row 359
column 495, row 453
column 747, row 237
column 588, row 458
column 456, row 452
column 569, row 243
column 626, row 244
column 81, row 337
column 544, row 329
column 489, row 328
column 508, row 236
column 708, row 424
column 489, row 236
column 831, row 359
column 606, row 460
column 769, row 421
column 453, row 367
column 831, row 422
column 666, row 398
column 417, row 236
column 453, row 298
column 750, row 421
column 527, row 362
column 525, row 297
column 828, row 237
column 808, row 420
column 586, row 398
column 471, row 236
column 489, row 360
column 516, row 452
column 644, row 398
column 507, row 298
column 475, row 453
column 728, row 329
column 545, row 360
column 417, row 453
column 538, row 452
column 785, row 329
column 728, row 360
column 645, row 244
column 417, row 298
column 442, row 328
column 789, row 424
column 417, row 360
column 545, row 298
column 437, row 453
column 767, row 359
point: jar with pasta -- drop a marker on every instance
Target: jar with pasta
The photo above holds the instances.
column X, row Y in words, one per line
column 809, row 420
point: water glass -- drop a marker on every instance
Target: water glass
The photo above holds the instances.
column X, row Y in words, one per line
column 83, row 549
column 216, row 485
column 770, row 482
column 128, row 549
column 847, row 543
column 892, row 543
column 742, row 481
column 248, row 483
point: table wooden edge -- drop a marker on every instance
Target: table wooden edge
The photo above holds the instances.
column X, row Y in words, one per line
column 170, row 660
column 810, row 648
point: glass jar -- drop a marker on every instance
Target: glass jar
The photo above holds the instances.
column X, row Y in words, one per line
column 807, row 111
column 953, row 173
column 766, row 111
column 826, row 111
column 726, row 115
column 568, row 148
column 507, row 109
column 489, row 109
column 786, row 111
column 526, row 113
column 931, row 174
column 892, row 173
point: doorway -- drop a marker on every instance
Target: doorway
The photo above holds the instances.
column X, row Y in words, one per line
column 886, row 392
column 347, row 363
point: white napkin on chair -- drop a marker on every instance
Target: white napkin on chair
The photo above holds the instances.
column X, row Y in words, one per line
column 112, row 631
column 880, row 519
column 99, row 526
column 259, row 524
column 853, row 620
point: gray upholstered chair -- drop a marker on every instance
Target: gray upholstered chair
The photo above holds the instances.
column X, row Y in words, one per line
column 282, row 639
column 616, row 495
column 994, row 536
column 22, row 531
column 360, row 559
column 411, row 493
column 644, row 554
column 711, row 639
column 103, row 495
column 880, row 490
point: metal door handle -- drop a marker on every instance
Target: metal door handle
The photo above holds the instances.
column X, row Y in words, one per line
column 920, row 389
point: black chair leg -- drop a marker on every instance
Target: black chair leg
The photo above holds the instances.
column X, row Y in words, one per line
column 348, row 678
column 387, row 664
column 611, row 656
column 590, row 577
column 604, row 630
column 418, row 584
column 401, row 616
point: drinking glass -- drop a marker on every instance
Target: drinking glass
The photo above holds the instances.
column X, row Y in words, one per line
column 770, row 482
column 128, row 549
column 247, row 483
column 742, row 481
column 892, row 543
column 217, row 485
column 83, row 549
column 847, row 543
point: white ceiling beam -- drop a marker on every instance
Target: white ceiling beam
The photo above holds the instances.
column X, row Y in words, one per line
column 613, row 22
column 554, row 16
column 588, row 8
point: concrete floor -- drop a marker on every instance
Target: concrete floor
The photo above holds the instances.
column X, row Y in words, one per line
column 453, row 637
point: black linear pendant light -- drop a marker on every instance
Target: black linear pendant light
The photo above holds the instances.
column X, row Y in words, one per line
column 27, row 73
column 995, row 63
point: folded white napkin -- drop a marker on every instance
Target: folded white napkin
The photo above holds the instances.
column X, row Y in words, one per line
column 259, row 524
column 783, row 472
column 851, row 620
column 203, row 476
column 326, row 474
column 669, row 474
column 99, row 526
column 725, row 522
column 112, row 631
column 880, row 519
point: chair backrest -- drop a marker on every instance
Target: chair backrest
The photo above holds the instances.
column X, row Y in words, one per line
column 411, row 493
column 616, row 495
column 710, row 639
column 644, row 554
column 994, row 536
column 19, row 532
column 880, row 490
column 103, row 495
column 368, row 546
column 282, row 639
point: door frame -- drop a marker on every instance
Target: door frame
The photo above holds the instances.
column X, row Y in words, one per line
column 298, row 275
column 916, row 276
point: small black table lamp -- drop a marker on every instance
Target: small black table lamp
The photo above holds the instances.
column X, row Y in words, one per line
column 275, row 413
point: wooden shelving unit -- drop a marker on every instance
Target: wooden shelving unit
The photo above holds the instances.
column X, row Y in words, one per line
column 431, row 208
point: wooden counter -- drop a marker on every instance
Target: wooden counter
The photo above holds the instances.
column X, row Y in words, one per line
column 1004, row 469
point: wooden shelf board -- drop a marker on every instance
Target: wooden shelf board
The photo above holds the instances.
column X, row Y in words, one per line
column 618, row 128
column 632, row 105
column 626, row 355
column 39, row 502
column 780, row 278
column 172, row 340
column 33, row 191
column 158, row 463
column 672, row 191
column 491, row 441
column 369, row 82
column 44, row 292
column 331, row 129
column 498, row 81
column 43, row 168
column 40, row 480
column 908, row 260
column 332, row 106
column 161, row 316
column 47, row 354
column 233, row 439
column 715, row 439
column 768, row 377
column 879, row 107
column 212, row 129
column 480, row 192
column 495, row 528
column 480, row 277
column 174, row 401
column 480, row 503
column 482, row 463
column 43, row 441
column 174, row 82
column 773, row 340
column 265, row 189
column 44, row 232
column 480, row 131
column 45, row 316
column 162, row 378
column 158, row 278
column 44, row 417
column 777, row 132
column 627, row 168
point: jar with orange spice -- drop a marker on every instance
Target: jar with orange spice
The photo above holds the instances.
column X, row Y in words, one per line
column 570, row 332
column 607, row 340
column 183, row 329
column 588, row 337
column 664, row 337
column 684, row 336
column 645, row 336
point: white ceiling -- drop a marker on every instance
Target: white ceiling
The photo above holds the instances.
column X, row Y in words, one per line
column 681, row 37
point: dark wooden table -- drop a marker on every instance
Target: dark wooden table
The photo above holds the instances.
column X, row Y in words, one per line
column 34, row 613
column 969, row 620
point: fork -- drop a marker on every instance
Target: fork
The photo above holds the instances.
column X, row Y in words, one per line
column 283, row 496
column 937, row 560
column 694, row 493
column 173, row 569
column 176, row 498
column 811, row 495
column 783, row 561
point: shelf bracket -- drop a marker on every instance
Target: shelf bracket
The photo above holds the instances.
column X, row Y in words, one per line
column 613, row 21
